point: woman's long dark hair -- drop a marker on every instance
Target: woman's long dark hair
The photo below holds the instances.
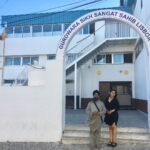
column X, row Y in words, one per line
column 115, row 93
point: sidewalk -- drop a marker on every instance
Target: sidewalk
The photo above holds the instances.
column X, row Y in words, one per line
column 56, row 146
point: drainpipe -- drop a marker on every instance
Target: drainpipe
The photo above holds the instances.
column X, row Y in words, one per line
column 75, row 86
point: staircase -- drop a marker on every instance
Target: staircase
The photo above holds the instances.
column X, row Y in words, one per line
column 79, row 134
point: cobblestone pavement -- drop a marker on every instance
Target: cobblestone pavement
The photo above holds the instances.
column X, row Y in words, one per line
column 57, row 146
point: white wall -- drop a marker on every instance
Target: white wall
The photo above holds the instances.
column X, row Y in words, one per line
column 144, row 12
column 140, row 76
column 34, row 114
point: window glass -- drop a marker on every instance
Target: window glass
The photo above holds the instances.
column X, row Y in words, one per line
column 47, row 28
column 26, row 29
column 17, row 60
column 86, row 29
column 18, row 29
column 66, row 26
column 108, row 58
column 34, row 60
column 101, row 59
column 57, row 27
column 9, row 30
column 8, row 61
column 118, row 58
column 36, row 29
column 51, row 57
column 128, row 58
column 26, row 60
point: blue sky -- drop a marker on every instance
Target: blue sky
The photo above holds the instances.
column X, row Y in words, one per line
column 13, row 7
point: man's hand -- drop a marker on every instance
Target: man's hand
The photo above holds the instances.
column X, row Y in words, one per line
column 96, row 114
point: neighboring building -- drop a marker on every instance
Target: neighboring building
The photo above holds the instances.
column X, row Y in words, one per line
column 32, row 39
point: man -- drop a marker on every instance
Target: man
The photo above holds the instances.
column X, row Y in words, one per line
column 95, row 110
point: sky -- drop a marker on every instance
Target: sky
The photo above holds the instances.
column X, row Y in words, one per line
column 14, row 7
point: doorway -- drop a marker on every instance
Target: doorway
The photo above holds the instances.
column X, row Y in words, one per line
column 124, row 91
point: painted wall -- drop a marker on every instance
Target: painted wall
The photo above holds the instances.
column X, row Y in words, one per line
column 140, row 76
column 33, row 114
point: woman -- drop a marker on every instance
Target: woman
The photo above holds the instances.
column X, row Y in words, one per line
column 111, row 117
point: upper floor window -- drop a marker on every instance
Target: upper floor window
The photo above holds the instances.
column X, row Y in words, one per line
column 26, row 29
column 103, row 59
column 50, row 57
column 27, row 60
column 117, row 58
column 36, row 29
column 9, row 30
column 18, row 29
column 66, row 26
column 47, row 28
column 11, row 60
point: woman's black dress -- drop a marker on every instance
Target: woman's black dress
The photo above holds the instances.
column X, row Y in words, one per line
column 113, row 117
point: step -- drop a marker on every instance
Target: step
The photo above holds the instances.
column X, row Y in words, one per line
column 105, row 128
column 105, row 134
column 79, row 134
column 85, row 140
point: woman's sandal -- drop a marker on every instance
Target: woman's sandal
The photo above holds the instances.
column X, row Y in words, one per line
column 109, row 144
column 113, row 144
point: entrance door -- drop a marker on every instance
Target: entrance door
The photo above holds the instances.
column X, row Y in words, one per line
column 123, row 89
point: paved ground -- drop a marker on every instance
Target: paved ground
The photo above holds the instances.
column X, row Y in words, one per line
column 127, row 118
column 56, row 146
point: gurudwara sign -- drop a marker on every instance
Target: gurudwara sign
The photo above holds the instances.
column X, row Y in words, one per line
column 99, row 15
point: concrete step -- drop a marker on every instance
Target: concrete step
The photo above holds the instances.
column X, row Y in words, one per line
column 105, row 134
column 105, row 128
column 85, row 140
column 79, row 134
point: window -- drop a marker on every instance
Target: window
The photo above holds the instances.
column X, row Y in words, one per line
column 34, row 60
column 66, row 26
column 36, row 29
column 56, row 27
column 92, row 28
column 26, row 60
column 11, row 60
column 9, row 30
column 8, row 61
column 18, row 29
column 103, row 59
column 26, row 29
column 118, row 58
column 108, row 58
column 17, row 60
column 86, row 29
column 50, row 57
column 128, row 58
column 47, row 28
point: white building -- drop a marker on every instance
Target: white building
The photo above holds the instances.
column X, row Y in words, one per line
column 103, row 55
